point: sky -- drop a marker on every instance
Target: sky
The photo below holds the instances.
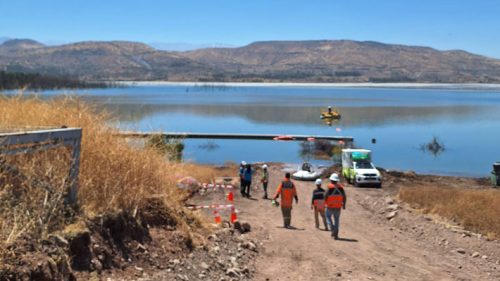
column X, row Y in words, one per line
column 471, row 25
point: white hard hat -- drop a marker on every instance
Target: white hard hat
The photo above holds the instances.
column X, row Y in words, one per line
column 243, row 163
column 334, row 177
column 318, row 181
column 264, row 166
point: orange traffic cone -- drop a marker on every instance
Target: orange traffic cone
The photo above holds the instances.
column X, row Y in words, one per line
column 230, row 196
column 234, row 217
column 217, row 217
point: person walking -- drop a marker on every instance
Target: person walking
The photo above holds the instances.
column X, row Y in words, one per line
column 288, row 192
column 318, row 204
column 335, row 199
column 247, row 175
column 242, row 178
column 264, row 180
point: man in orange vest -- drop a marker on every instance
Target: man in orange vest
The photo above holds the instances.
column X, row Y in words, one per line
column 287, row 191
column 318, row 204
column 335, row 199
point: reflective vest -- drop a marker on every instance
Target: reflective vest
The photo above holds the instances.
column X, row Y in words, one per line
column 287, row 193
column 335, row 200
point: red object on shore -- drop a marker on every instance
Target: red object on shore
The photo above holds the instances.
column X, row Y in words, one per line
column 311, row 139
column 283, row 138
column 234, row 217
column 230, row 196
column 218, row 219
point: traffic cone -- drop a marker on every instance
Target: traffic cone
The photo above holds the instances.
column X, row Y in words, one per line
column 217, row 217
column 234, row 217
column 230, row 196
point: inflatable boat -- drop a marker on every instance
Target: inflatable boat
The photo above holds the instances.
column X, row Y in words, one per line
column 306, row 172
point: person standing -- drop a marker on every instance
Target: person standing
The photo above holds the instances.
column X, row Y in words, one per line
column 242, row 178
column 264, row 180
column 247, row 175
column 318, row 204
column 288, row 192
column 335, row 199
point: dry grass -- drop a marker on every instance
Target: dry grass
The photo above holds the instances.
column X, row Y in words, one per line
column 113, row 175
column 477, row 210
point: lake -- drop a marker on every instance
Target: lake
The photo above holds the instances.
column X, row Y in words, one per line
column 465, row 121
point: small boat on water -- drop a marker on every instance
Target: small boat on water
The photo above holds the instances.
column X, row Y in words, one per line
column 306, row 172
column 283, row 138
column 330, row 115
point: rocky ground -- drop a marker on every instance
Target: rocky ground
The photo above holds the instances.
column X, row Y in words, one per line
column 382, row 238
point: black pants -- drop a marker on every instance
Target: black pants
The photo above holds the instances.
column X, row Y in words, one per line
column 247, row 188
column 243, row 184
column 264, row 186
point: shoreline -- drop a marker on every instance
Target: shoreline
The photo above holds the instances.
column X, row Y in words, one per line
column 455, row 86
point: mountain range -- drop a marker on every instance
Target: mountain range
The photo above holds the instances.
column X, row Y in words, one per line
column 270, row 61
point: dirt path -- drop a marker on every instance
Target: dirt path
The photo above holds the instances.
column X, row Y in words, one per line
column 371, row 248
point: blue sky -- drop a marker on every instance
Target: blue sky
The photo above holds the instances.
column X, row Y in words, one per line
column 472, row 25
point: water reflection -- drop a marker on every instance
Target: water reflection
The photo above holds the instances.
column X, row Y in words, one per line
column 351, row 116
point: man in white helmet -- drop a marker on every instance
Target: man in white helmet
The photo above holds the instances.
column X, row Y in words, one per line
column 335, row 199
column 242, row 178
column 265, row 180
column 318, row 204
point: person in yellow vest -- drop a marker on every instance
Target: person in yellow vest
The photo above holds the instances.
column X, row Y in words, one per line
column 318, row 204
column 287, row 191
column 335, row 199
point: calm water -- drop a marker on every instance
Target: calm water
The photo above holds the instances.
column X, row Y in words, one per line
column 467, row 122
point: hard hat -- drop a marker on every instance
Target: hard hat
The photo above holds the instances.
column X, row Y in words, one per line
column 243, row 163
column 318, row 182
column 264, row 166
column 334, row 177
column 329, row 107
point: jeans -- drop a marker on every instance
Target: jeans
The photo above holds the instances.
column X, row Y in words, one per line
column 334, row 227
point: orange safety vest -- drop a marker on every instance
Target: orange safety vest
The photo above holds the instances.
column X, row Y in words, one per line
column 287, row 191
column 335, row 200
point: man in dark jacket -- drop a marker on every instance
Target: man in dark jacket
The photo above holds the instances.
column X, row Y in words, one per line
column 318, row 204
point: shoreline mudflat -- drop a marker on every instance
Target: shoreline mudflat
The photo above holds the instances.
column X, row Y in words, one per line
column 460, row 86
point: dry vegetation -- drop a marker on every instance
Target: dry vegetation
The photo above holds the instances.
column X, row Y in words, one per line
column 114, row 176
column 477, row 210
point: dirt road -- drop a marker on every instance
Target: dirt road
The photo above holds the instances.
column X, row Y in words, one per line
column 408, row 247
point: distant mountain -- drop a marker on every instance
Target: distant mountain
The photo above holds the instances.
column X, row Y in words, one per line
column 297, row 61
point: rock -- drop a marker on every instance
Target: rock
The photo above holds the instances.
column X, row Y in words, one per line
column 484, row 257
column 60, row 241
column 460, row 251
column 97, row 265
column 389, row 201
column 139, row 268
column 393, row 207
column 339, row 274
column 233, row 272
column 391, row 215
column 475, row 255
column 204, row 265
column 201, row 276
